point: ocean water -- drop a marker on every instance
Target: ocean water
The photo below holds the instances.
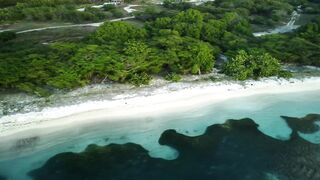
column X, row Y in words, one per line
column 264, row 109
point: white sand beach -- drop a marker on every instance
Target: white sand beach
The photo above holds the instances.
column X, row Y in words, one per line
column 122, row 107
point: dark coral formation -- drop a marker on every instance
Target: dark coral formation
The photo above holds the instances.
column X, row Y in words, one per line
column 305, row 124
column 229, row 151
column 2, row 178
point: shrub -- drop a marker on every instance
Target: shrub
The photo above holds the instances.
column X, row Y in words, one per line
column 7, row 36
column 173, row 77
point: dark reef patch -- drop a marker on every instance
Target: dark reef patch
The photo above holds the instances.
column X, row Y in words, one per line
column 2, row 178
column 305, row 124
column 235, row 150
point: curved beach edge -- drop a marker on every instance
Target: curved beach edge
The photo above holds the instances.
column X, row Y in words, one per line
column 199, row 94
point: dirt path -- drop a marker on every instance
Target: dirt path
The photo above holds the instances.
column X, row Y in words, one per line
column 73, row 25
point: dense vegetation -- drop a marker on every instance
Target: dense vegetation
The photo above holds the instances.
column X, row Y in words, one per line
column 169, row 44
column 311, row 7
column 116, row 51
column 7, row 3
column 265, row 12
column 302, row 46
column 55, row 10
column 254, row 64
column 7, row 36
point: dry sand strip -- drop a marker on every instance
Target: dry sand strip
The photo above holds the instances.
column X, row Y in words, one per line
column 197, row 95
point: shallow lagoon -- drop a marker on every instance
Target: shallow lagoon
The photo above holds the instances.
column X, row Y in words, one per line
column 264, row 109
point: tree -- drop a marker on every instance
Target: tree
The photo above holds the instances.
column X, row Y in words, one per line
column 189, row 23
column 239, row 67
column 117, row 13
column 109, row 7
column 266, row 65
column 118, row 33
column 136, row 57
column 7, row 36
column 159, row 24
column 311, row 31
column 10, row 72
column 185, row 55
column 202, row 57
column 213, row 30
column 254, row 64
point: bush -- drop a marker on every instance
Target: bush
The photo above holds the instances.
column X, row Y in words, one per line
column 140, row 79
column 49, row 10
column 173, row 77
column 109, row 7
column 285, row 74
column 254, row 64
column 117, row 13
column 31, row 88
column 7, row 36
column 118, row 32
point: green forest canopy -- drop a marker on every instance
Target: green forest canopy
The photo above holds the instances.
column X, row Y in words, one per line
column 186, row 43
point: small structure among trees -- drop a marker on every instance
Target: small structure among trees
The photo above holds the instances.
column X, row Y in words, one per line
column 116, row 1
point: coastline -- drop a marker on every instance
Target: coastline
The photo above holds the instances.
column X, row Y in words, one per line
column 170, row 101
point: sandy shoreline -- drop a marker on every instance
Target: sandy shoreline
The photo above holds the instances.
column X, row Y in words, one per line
column 200, row 94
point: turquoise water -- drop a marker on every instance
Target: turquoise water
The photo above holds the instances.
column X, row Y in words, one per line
column 264, row 109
